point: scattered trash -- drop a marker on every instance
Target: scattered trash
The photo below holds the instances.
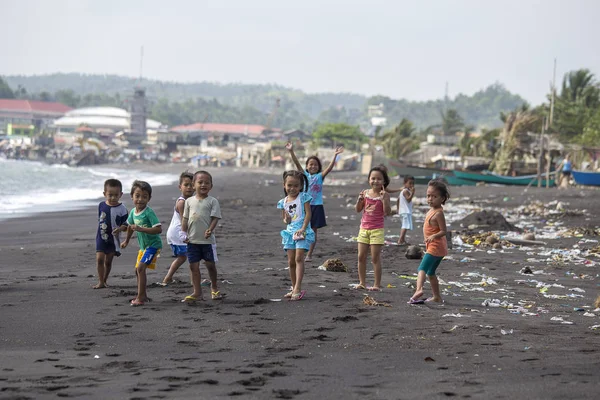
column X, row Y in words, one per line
column 414, row 252
column 561, row 320
column 96, row 356
column 505, row 332
column 333, row 265
column 457, row 315
column 429, row 359
column 368, row 300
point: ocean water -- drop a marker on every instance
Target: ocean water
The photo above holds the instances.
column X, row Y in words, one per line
column 29, row 187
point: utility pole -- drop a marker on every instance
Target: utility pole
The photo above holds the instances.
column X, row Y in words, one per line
column 549, row 121
column 141, row 62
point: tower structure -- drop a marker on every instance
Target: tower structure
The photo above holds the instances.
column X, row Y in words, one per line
column 138, row 110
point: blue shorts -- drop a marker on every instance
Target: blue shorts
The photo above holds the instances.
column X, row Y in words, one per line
column 288, row 242
column 317, row 217
column 179, row 250
column 148, row 256
column 429, row 264
column 198, row 252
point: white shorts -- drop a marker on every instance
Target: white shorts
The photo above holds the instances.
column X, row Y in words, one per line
column 407, row 222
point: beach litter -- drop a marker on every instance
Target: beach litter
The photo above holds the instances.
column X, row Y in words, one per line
column 370, row 301
column 414, row 252
column 333, row 265
column 457, row 315
column 561, row 320
column 506, row 332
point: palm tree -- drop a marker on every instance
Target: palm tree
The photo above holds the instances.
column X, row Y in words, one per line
column 578, row 100
column 400, row 141
column 452, row 122
column 580, row 87
column 516, row 125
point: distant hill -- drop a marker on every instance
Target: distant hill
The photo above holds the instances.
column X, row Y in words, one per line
column 252, row 103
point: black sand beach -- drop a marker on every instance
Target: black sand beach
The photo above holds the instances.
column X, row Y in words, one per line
column 60, row 338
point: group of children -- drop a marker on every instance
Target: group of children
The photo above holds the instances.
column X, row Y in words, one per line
column 190, row 233
column 302, row 211
column 196, row 214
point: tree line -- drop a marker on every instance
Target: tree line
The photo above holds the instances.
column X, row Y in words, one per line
column 176, row 103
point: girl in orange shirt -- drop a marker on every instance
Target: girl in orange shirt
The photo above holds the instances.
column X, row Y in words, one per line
column 434, row 232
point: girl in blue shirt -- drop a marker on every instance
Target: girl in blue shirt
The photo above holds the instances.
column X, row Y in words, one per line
column 315, row 176
column 298, row 236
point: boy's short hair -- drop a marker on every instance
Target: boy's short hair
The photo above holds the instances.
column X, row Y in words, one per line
column 408, row 178
column 143, row 186
column 186, row 174
column 113, row 183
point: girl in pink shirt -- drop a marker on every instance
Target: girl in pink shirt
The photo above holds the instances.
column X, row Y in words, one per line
column 375, row 205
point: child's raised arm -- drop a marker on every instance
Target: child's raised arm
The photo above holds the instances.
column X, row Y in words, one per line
column 287, row 218
column 387, row 207
column 360, row 202
column 409, row 194
column 290, row 148
column 338, row 150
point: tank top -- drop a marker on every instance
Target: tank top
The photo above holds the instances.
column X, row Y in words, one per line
column 405, row 205
column 373, row 214
column 175, row 226
column 438, row 247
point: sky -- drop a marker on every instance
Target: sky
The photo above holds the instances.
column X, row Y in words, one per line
column 397, row 48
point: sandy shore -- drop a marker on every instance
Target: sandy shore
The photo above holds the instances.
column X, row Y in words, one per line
column 61, row 338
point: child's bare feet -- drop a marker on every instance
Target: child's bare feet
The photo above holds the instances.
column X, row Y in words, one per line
column 434, row 300
column 136, row 302
column 417, row 295
column 101, row 285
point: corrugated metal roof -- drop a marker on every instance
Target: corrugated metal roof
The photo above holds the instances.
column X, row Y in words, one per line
column 47, row 107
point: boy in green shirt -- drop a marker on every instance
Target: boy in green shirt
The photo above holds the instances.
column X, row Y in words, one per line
column 144, row 221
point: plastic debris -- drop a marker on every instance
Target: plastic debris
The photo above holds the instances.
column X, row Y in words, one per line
column 457, row 315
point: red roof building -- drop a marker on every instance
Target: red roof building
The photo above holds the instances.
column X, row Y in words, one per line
column 28, row 112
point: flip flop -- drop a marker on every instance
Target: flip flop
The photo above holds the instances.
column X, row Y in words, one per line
column 288, row 295
column 205, row 282
column 298, row 296
column 358, row 286
column 190, row 299
column 416, row 301
column 136, row 303
column 217, row 295
column 374, row 289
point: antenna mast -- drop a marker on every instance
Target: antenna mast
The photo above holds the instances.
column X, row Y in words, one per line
column 141, row 61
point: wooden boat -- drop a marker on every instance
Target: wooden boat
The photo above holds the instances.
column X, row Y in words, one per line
column 586, row 178
column 490, row 177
